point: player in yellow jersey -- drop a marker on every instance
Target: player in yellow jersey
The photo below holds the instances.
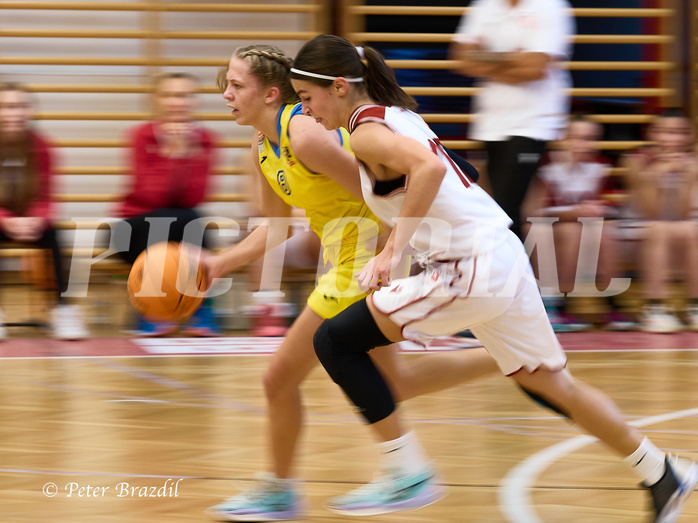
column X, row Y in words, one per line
column 329, row 208
column 306, row 166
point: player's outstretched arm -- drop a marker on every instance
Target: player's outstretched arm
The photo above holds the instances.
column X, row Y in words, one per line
column 258, row 241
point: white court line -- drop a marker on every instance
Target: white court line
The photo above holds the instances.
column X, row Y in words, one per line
column 514, row 494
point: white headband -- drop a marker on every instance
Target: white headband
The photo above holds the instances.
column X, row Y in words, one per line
column 323, row 76
column 360, row 51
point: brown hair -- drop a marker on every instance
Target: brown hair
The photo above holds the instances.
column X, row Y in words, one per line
column 19, row 180
column 158, row 79
column 334, row 56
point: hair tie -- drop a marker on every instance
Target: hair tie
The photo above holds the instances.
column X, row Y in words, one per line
column 324, row 76
column 360, row 51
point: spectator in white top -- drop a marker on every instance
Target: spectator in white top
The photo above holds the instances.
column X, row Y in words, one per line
column 573, row 182
column 514, row 47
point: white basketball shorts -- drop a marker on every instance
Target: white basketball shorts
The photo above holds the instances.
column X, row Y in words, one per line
column 495, row 295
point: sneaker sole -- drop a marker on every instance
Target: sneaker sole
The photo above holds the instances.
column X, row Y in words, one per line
column 432, row 495
column 679, row 498
column 260, row 517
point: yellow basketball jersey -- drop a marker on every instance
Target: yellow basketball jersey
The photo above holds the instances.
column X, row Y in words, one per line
column 325, row 202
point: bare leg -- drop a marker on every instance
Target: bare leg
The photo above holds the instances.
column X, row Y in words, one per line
column 389, row 428
column 608, row 256
column 588, row 407
column 288, row 368
column 654, row 257
column 431, row 372
column 567, row 239
column 690, row 242
column 296, row 357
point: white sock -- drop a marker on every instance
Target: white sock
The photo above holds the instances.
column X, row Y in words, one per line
column 267, row 297
column 404, row 455
column 278, row 484
column 647, row 462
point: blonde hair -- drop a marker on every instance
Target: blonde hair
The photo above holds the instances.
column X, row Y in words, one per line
column 270, row 65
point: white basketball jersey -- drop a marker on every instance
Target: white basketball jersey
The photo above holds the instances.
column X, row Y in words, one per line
column 463, row 220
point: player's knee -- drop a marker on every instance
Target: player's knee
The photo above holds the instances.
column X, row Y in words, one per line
column 353, row 370
column 272, row 385
column 325, row 348
column 281, row 380
column 353, row 331
column 545, row 402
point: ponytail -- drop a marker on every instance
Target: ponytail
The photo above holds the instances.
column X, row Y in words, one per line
column 327, row 57
column 381, row 83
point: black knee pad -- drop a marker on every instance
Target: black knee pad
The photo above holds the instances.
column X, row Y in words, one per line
column 544, row 403
column 355, row 329
column 342, row 344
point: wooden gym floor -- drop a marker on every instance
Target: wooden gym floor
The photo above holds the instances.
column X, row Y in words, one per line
column 184, row 419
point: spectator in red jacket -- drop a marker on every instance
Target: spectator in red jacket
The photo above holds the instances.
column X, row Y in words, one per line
column 26, row 185
column 172, row 158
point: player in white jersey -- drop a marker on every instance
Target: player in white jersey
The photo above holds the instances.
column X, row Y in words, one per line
column 483, row 282
column 465, row 227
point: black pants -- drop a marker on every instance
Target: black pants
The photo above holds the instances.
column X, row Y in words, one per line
column 140, row 230
column 511, row 165
column 49, row 241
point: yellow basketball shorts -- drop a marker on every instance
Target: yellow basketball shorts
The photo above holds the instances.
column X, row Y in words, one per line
column 338, row 288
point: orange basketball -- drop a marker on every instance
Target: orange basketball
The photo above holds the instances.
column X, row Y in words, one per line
column 161, row 288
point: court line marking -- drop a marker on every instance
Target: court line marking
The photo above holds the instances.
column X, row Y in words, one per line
column 237, row 354
column 514, row 493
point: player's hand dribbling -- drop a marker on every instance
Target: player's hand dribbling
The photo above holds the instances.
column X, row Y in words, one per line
column 213, row 269
column 204, row 257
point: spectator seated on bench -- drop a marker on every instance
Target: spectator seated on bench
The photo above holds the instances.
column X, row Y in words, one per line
column 26, row 184
column 172, row 159
column 663, row 179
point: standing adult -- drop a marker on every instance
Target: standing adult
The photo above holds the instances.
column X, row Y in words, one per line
column 514, row 48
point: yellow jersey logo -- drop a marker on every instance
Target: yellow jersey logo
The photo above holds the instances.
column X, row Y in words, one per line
column 283, row 182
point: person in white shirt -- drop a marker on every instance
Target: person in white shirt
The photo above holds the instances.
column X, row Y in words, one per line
column 514, row 48
column 476, row 276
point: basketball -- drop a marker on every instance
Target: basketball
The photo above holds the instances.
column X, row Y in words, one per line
column 161, row 288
